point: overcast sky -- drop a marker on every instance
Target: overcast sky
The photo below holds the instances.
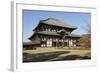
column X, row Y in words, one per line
column 31, row 19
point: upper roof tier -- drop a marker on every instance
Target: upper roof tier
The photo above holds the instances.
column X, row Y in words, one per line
column 57, row 22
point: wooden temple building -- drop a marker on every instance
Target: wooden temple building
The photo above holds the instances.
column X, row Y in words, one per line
column 52, row 32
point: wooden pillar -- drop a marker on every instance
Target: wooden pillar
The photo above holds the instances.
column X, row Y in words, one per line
column 72, row 43
column 68, row 43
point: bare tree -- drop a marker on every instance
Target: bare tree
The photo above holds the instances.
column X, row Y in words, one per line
column 85, row 40
column 87, row 28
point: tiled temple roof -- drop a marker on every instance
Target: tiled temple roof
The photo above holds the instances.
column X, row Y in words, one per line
column 56, row 22
column 55, row 33
column 47, row 33
column 30, row 43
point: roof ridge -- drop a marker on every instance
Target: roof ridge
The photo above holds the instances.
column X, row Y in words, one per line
column 54, row 21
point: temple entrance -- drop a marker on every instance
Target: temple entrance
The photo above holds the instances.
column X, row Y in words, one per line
column 60, row 44
column 53, row 44
column 65, row 44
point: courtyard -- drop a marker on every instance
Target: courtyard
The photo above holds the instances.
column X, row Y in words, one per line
column 56, row 54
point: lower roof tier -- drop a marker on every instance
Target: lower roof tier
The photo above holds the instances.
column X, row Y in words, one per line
column 54, row 34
